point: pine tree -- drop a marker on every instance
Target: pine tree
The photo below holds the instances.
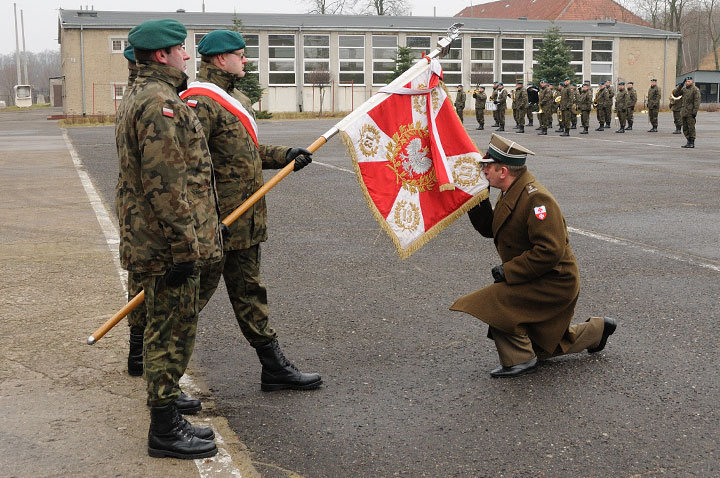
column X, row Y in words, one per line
column 403, row 61
column 553, row 58
column 250, row 83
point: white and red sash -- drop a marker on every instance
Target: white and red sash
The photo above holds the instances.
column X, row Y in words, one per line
column 213, row 91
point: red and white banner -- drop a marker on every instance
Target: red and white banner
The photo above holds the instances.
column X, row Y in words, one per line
column 418, row 168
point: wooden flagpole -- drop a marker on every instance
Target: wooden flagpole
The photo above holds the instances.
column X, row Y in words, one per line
column 443, row 47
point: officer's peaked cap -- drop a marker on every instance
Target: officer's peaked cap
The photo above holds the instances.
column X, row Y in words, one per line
column 502, row 150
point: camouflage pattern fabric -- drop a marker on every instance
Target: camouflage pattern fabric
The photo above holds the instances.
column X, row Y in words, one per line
column 241, row 271
column 690, row 106
column 136, row 317
column 574, row 108
column 460, row 100
column 603, row 103
column 631, row 102
column 566, row 102
column 621, row 106
column 169, row 336
column 653, row 104
column 238, row 163
column 584, row 104
column 480, row 100
column 520, row 105
column 165, row 196
column 501, row 101
column 545, row 100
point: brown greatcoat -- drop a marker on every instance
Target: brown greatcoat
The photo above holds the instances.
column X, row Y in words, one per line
column 542, row 276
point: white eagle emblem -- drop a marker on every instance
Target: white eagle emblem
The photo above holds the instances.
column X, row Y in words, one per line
column 416, row 161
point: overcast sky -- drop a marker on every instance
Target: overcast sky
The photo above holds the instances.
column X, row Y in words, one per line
column 41, row 16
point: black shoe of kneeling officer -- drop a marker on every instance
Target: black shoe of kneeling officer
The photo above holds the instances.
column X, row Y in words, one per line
column 690, row 144
column 171, row 435
column 515, row 370
column 608, row 329
column 278, row 373
column 135, row 357
column 501, row 128
column 677, row 131
column 543, row 132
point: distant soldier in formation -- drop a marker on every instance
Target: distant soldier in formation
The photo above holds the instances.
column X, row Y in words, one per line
column 493, row 97
column 602, row 100
column 556, row 106
column 129, row 54
column 460, row 102
column 545, row 104
column 631, row 102
column 621, row 101
column 573, row 108
column 553, row 107
column 653, row 105
column 520, row 104
column 609, row 104
column 480, row 100
column 532, row 92
column 566, row 102
column 676, row 104
column 691, row 103
column 501, row 102
column 584, row 106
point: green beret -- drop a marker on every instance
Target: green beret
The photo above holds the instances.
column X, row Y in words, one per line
column 157, row 34
column 129, row 53
column 621, row 83
column 220, row 41
column 689, row 78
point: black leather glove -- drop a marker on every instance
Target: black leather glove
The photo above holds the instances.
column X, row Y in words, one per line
column 178, row 273
column 302, row 157
column 225, row 231
column 498, row 273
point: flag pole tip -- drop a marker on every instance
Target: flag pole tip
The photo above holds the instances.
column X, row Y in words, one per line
column 91, row 340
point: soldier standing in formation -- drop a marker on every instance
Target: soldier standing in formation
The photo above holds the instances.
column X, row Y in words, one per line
column 227, row 118
column 530, row 305
column 609, row 103
column 585, row 105
column 493, row 97
column 621, row 100
column 601, row 103
column 573, row 108
column 557, row 95
column 690, row 105
column 566, row 102
column 532, row 92
column 676, row 103
column 460, row 103
column 519, row 105
column 167, row 210
column 480, row 100
column 653, row 105
column 501, row 102
column 631, row 102
column 545, row 102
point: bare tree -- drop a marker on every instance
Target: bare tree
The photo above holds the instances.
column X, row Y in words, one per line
column 385, row 7
column 713, row 28
column 326, row 7
column 320, row 79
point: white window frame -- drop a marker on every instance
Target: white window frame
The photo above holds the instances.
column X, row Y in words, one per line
column 123, row 42
column 418, row 51
column 325, row 61
column 516, row 74
column 593, row 63
column 452, row 60
column 490, row 62
column 270, row 60
column 114, row 87
column 377, row 60
column 344, row 61
column 580, row 75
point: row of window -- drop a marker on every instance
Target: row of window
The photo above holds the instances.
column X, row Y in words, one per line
column 280, row 62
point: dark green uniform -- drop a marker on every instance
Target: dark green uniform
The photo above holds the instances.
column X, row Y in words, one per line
column 529, row 314
column 480, row 100
column 238, row 167
column 501, row 102
column 631, row 102
column 584, row 105
column 545, row 98
column 676, row 103
column 621, row 100
column 608, row 111
column 167, row 210
column 566, row 103
column 460, row 104
column 574, row 108
column 603, row 104
column 493, row 97
column 520, row 105
column 690, row 106
column 653, row 104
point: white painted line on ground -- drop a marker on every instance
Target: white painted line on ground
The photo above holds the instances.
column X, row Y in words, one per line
column 614, row 240
column 647, row 248
column 667, row 146
column 221, row 464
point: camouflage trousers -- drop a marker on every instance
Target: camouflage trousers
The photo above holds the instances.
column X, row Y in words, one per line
column 519, row 116
column 622, row 117
column 688, row 127
column 480, row 116
column 653, row 116
column 531, row 108
column 585, row 118
column 501, row 116
column 677, row 118
column 630, row 116
column 608, row 115
column 241, row 271
column 546, row 118
column 460, row 112
column 564, row 118
column 171, row 324
column 601, row 114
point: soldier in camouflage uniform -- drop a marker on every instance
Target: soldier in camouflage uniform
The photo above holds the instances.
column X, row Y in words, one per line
column 238, row 162
column 520, row 105
column 676, row 104
column 493, row 97
column 653, row 105
column 129, row 54
column 167, row 209
column 545, row 102
column 501, row 102
column 532, row 92
column 566, row 102
column 621, row 100
column 631, row 102
column 573, row 108
column 480, row 100
column 460, row 100
column 603, row 102
column 584, row 104
column 691, row 104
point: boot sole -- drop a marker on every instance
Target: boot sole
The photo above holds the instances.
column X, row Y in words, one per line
column 155, row 453
column 274, row 387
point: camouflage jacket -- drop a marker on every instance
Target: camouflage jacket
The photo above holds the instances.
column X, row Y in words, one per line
column 584, row 102
column 653, row 97
column 690, row 99
column 545, row 98
column 165, row 197
column 460, row 99
column 237, row 161
column 603, row 98
column 520, row 99
column 632, row 99
column 621, row 100
column 566, row 98
column 480, row 99
column 501, row 98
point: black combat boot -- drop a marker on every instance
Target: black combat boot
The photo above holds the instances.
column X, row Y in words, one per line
column 690, row 144
column 135, row 355
column 629, row 126
column 574, row 126
column 677, row 131
column 530, row 123
column 652, row 130
column 501, row 128
column 560, row 129
column 566, row 132
column 480, row 127
column 278, row 373
column 621, row 130
column 543, row 132
column 186, row 404
column 600, row 128
column 585, row 130
column 171, row 435
column 607, row 125
column 521, row 129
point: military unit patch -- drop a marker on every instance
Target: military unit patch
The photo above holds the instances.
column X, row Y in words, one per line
column 168, row 112
column 540, row 212
column 192, row 103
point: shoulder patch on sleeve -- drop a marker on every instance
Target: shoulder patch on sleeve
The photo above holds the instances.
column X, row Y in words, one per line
column 531, row 188
column 169, row 112
column 192, row 103
column 540, row 212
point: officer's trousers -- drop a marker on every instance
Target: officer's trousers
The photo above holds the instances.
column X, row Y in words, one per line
column 516, row 349
column 622, row 117
column 688, row 127
column 653, row 116
column 501, row 115
column 677, row 119
column 460, row 112
column 480, row 116
column 585, row 118
column 519, row 116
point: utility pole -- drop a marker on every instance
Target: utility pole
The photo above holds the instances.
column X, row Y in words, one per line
column 24, row 52
column 17, row 46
